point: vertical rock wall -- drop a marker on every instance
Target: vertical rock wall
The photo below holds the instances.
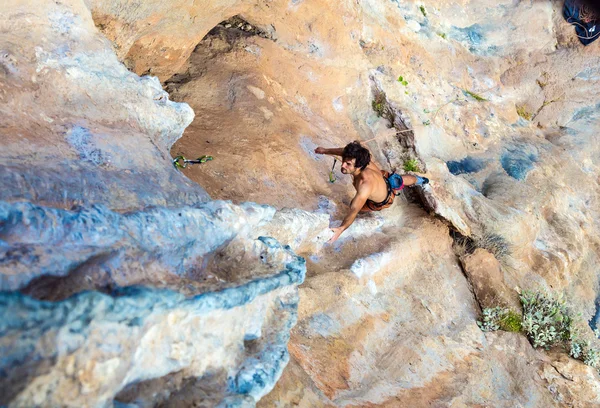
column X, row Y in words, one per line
column 123, row 285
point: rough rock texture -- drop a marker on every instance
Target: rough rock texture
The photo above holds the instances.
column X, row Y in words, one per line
column 119, row 282
column 77, row 126
column 486, row 276
column 102, row 302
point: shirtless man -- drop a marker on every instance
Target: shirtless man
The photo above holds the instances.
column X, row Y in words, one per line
column 373, row 190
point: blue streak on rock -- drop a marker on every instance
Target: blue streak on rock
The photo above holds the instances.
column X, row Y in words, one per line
column 466, row 165
column 27, row 320
column 518, row 160
column 38, row 240
column 474, row 38
column 82, row 141
column 587, row 114
column 472, row 34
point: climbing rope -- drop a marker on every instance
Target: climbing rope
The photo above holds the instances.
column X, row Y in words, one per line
column 378, row 137
column 180, row 162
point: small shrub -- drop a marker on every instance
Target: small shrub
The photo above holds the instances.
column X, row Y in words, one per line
column 546, row 320
column 475, row 96
column 591, row 357
column 402, row 80
column 583, row 350
column 577, row 348
column 498, row 318
column 491, row 319
column 495, row 244
column 411, row 165
column 423, row 11
column 522, row 112
column 378, row 107
column 511, row 322
column 443, row 35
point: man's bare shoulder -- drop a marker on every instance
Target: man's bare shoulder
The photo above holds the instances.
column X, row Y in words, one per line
column 371, row 174
column 367, row 179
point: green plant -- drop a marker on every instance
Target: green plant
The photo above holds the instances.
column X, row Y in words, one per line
column 591, row 357
column 583, row 350
column 499, row 318
column 427, row 122
column 511, row 322
column 475, row 96
column 522, row 112
column 423, row 11
column 402, row 80
column 491, row 319
column 576, row 349
column 411, row 165
column 378, row 107
column 443, row 35
column 379, row 104
column 546, row 320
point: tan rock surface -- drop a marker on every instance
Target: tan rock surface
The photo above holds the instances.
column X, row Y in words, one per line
column 386, row 316
column 486, row 276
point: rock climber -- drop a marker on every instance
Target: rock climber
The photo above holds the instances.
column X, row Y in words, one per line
column 374, row 191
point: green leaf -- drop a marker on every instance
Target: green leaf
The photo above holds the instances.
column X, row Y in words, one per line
column 475, row 96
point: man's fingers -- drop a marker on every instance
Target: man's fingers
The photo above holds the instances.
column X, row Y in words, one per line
column 336, row 234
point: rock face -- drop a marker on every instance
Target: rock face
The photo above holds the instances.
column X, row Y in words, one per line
column 78, row 127
column 120, row 282
column 123, row 284
column 486, row 276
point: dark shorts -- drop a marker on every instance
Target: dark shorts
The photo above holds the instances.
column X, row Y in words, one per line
column 372, row 205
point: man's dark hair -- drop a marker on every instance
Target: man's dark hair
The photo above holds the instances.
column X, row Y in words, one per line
column 588, row 9
column 356, row 151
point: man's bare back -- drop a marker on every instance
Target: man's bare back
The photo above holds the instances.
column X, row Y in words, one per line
column 372, row 180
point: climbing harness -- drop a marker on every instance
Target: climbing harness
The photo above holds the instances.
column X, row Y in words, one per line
column 180, row 162
column 331, row 173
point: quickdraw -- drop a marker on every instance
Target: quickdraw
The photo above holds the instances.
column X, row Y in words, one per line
column 331, row 173
column 180, row 162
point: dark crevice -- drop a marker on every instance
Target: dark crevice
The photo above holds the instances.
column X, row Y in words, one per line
column 222, row 39
column 237, row 26
column 177, row 389
column 398, row 121
column 91, row 274
column 405, row 137
column 463, row 245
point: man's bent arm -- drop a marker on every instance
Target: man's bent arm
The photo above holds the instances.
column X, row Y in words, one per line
column 336, row 151
column 357, row 204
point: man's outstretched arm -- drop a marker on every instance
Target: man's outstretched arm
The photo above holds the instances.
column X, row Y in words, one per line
column 336, row 151
column 357, row 203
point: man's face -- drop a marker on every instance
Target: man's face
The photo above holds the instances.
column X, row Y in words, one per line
column 348, row 166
